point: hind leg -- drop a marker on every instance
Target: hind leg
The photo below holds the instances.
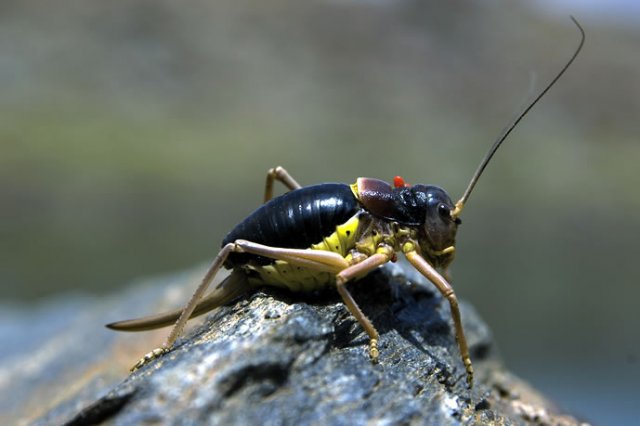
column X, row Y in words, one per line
column 316, row 260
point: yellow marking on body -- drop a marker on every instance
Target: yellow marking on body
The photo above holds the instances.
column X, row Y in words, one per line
column 296, row 278
column 371, row 243
column 342, row 240
column 354, row 189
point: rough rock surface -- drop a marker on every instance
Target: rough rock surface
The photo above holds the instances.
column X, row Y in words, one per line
column 272, row 358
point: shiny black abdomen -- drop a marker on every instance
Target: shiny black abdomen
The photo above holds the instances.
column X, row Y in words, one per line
column 296, row 219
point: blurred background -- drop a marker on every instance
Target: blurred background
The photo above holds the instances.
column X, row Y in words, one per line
column 134, row 135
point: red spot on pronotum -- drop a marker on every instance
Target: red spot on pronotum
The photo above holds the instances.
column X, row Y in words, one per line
column 399, row 182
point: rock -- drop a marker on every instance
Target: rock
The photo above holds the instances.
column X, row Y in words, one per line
column 272, row 358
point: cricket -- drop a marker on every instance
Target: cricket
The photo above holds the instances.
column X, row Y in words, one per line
column 329, row 234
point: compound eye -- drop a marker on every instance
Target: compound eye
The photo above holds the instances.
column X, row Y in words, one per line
column 444, row 210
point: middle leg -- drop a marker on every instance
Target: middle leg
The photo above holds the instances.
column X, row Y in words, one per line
column 359, row 269
column 281, row 175
column 328, row 261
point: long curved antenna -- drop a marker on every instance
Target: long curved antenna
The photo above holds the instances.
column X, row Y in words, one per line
column 507, row 130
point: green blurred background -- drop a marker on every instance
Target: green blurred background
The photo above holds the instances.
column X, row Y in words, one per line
column 134, row 135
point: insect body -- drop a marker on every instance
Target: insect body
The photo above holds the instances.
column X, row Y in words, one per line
column 329, row 234
column 321, row 217
column 351, row 221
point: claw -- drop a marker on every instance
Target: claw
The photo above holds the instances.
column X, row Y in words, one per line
column 469, row 375
column 373, row 350
column 156, row 353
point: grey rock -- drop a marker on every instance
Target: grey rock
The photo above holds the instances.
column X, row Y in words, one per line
column 273, row 358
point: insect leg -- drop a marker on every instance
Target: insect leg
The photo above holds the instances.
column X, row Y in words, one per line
column 445, row 288
column 189, row 308
column 359, row 269
column 313, row 259
column 281, row 175
column 318, row 260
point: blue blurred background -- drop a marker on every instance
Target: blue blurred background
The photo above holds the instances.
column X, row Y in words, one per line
column 134, row 135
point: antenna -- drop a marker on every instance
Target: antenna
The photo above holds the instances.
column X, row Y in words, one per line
column 507, row 130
